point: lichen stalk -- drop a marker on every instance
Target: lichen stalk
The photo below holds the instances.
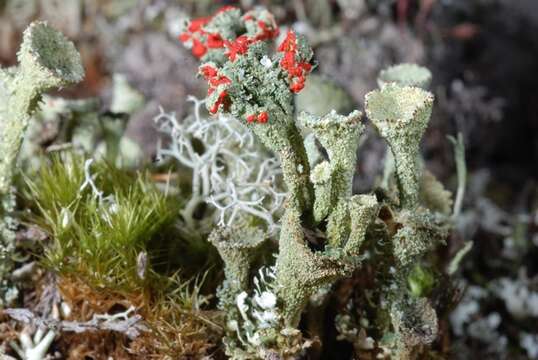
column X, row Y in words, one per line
column 401, row 115
column 300, row 272
column 286, row 141
column 46, row 60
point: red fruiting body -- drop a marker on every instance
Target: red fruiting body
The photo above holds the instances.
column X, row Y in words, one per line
column 208, row 71
column 238, row 46
column 296, row 70
column 225, row 8
column 214, row 41
column 267, row 31
column 198, row 48
column 184, row 37
column 214, row 79
column 219, row 80
column 197, row 24
column 194, row 30
column 221, row 100
column 263, row 117
column 289, row 44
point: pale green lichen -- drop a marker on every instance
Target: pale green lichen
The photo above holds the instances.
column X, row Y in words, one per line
column 434, row 195
column 326, row 232
column 339, row 135
column 416, row 323
column 237, row 246
column 300, row 272
column 363, row 208
column 321, row 95
column 419, row 232
column 401, row 115
column 46, row 60
column 321, row 178
column 405, row 75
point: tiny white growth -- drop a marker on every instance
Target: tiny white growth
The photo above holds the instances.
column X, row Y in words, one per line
column 232, row 325
column 518, row 295
column 266, row 300
column 265, row 61
column 254, row 339
column 529, row 342
column 241, row 305
column 66, row 217
column 265, row 319
column 89, row 181
column 65, row 309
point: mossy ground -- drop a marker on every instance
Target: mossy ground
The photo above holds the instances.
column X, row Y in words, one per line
column 111, row 251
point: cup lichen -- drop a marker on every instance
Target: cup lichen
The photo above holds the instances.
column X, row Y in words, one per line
column 326, row 232
column 47, row 60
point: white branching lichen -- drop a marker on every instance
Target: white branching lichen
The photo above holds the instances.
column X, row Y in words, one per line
column 229, row 169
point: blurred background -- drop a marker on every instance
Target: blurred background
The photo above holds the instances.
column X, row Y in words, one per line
column 484, row 58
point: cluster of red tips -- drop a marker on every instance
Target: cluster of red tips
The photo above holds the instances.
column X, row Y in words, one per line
column 214, row 79
column 221, row 100
column 238, row 46
column 261, row 117
column 267, row 32
column 194, row 35
column 241, row 44
column 296, row 70
column 200, row 39
column 267, row 29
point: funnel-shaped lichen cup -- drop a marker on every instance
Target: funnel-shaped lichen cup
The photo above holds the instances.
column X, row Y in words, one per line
column 237, row 246
column 405, row 75
column 401, row 115
column 46, row 60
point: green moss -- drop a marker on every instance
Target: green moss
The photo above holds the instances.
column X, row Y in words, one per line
column 102, row 240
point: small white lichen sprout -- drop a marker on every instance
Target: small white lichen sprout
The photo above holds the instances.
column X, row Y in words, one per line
column 108, row 204
column 259, row 311
column 88, row 181
column 37, row 346
column 230, row 170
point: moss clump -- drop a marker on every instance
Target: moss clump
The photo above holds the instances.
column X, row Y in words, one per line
column 101, row 237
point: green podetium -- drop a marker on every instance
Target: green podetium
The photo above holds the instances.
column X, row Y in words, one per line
column 339, row 135
column 402, row 75
column 47, row 60
column 401, row 115
column 237, row 246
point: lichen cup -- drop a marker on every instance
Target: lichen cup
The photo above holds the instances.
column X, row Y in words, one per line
column 46, row 60
column 401, row 115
